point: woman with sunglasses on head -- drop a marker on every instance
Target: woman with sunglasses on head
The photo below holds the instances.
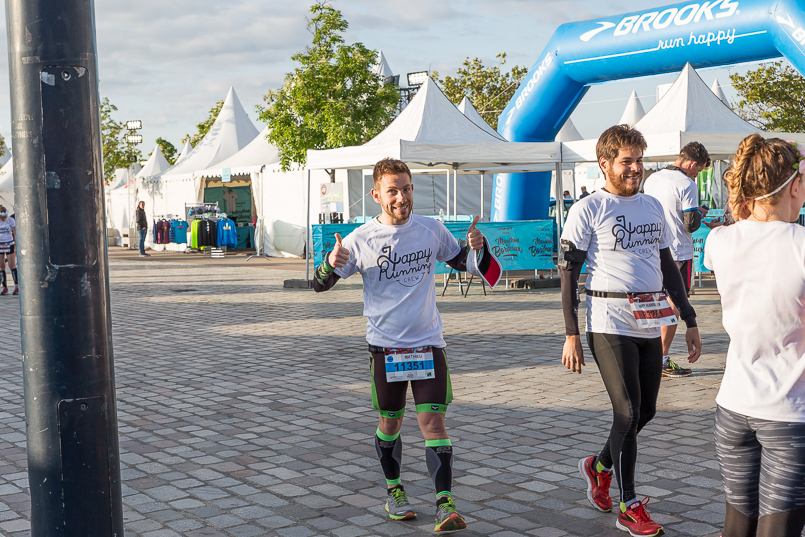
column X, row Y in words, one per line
column 8, row 239
column 759, row 264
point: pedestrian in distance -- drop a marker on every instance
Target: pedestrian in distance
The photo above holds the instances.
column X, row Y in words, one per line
column 584, row 193
column 675, row 188
column 8, row 251
column 623, row 237
column 396, row 254
column 142, row 227
column 759, row 263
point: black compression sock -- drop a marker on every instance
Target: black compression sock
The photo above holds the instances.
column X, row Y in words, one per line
column 3, row 278
column 389, row 451
column 13, row 275
column 605, row 457
column 439, row 458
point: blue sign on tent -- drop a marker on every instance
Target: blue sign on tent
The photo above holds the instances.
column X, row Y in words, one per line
column 226, row 175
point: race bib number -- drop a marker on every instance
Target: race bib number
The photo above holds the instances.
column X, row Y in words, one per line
column 409, row 364
column 652, row 310
column 5, row 248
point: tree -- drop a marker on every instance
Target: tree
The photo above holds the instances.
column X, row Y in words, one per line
column 488, row 88
column 117, row 153
column 168, row 150
column 332, row 98
column 204, row 126
column 3, row 147
column 772, row 97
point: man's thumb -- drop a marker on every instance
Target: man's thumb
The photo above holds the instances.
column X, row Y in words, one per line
column 474, row 221
column 337, row 239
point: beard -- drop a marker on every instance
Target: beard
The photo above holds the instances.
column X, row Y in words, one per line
column 627, row 184
column 393, row 210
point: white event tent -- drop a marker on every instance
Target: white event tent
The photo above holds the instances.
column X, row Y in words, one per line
column 472, row 114
column 183, row 154
column 7, row 184
column 633, row 112
column 716, row 87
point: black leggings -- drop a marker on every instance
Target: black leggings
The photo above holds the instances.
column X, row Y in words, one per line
column 763, row 466
column 631, row 368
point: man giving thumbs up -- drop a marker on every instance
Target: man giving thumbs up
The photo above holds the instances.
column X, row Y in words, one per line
column 396, row 254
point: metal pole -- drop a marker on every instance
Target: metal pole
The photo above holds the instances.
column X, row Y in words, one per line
column 455, row 195
column 307, row 231
column 447, row 196
column 482, row 196
column 363, row 196
column 66, row 328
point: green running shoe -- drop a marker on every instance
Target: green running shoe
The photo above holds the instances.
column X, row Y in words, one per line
column 397, row 505
column 673, row 370
column 447, row 518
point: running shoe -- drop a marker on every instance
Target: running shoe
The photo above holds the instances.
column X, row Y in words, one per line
column 637, row 522
column 397, row 505
column 447, row 518
column 597, row 485
column 16, row 291
column 4, row 291
column 673, row 370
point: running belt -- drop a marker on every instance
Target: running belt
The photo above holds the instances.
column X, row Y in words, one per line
column 614, row 294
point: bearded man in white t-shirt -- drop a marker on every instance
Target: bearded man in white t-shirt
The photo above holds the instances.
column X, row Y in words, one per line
column 396, row 254
column 675, row 188
column 623, row 238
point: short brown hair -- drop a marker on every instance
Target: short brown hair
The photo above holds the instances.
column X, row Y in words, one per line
column 616, row 138
column 760, row 166
column 388, row 166
column 697, row 153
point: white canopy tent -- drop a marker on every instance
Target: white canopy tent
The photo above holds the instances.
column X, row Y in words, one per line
column 381, row 66
column 472, row 114
column 633, row 112
column 7, row 184
column 568, row 132
column 716, row 88
column 183, row 154
column 155, row 165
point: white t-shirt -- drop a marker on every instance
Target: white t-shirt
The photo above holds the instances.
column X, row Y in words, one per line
column 677, row 194
column 623, row 238
column 397, row 264
column 760, row 273
column 5, row 230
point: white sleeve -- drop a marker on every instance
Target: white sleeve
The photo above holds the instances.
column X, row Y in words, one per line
column 708, row 249
column 689, row 197
column 578, row 226
column 448, row 244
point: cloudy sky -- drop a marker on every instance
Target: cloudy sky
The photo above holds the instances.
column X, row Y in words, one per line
column 167, row 62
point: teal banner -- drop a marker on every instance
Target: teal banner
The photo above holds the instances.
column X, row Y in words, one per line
column 521, row 245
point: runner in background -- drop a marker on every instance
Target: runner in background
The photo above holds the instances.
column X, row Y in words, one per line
column 675, row 188
column 623, row 237
column 759, row 264
column 8, row 251
column 396, row 254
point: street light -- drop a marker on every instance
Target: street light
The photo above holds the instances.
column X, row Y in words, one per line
column 134, row 125
column 134, row 138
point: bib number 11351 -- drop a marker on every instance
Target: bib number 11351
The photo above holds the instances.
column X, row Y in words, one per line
column 409, row 364
column 652, row 310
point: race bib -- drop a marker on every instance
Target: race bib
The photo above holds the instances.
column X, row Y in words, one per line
column 652, row 310
column 5, row 248
column 409, row 364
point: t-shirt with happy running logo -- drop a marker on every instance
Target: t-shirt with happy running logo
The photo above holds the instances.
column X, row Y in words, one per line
column 397, row 264
column 623, row 237
column 6, row 237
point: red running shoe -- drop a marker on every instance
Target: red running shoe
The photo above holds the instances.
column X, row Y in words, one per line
column 636, row 521
column 597, row 485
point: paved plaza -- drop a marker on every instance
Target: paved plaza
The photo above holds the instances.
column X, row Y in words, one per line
column 244, row 410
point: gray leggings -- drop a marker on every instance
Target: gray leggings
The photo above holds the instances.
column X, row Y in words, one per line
column 763, row 466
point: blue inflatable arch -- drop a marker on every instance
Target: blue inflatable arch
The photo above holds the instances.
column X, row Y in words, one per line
column 707, row 33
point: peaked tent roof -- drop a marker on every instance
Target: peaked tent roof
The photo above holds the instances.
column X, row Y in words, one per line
column 7, row 184
column 258, row 153
column 183, row 155
column 633, row 112
column 472, row 114
column 381, row 66
column 156, row 164
column 121, row 176
column 230, row 133
column 431, row 132
column 689, row 105
column 568, row 132
column 716, row 88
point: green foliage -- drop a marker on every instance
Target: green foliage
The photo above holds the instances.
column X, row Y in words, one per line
column 168, row 150
column 488, row 88
column 3, row 147
column 772, row 97
column 332, row 98
column 204, row 126
column 116, row 152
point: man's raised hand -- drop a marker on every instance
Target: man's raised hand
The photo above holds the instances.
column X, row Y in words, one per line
column 474, row 237
column 340, row 255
